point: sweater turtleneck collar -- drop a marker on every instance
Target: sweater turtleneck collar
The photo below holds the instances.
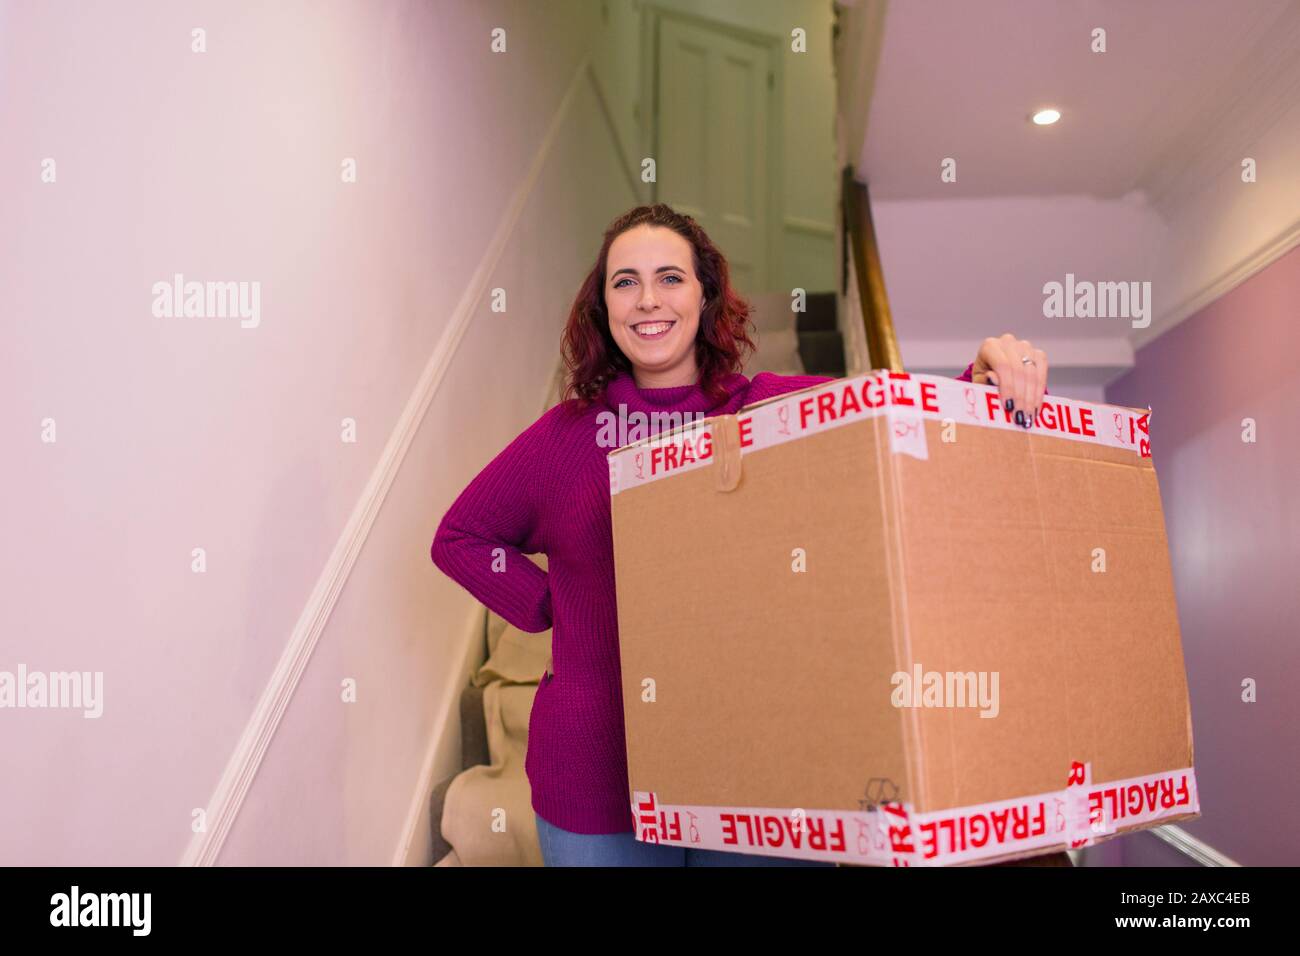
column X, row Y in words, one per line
column 623, row 390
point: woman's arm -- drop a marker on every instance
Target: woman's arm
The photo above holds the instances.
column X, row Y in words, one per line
column 482, row 540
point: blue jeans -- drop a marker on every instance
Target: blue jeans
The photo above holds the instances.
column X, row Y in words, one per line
column 563, row 848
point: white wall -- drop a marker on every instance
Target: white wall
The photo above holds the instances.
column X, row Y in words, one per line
column 183, row 433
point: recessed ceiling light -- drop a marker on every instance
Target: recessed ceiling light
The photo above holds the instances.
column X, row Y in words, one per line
column 1046, row 117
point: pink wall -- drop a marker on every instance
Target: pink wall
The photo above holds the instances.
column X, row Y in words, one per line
column 1233, row 519
column 175, row 433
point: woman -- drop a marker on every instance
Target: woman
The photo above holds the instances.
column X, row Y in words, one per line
column 655, row 328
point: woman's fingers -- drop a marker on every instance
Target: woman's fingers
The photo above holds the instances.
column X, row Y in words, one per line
column 1027, row 396
column 1021, row 384
column 1039, row 369
column 1000, row 364
column 1010, row 378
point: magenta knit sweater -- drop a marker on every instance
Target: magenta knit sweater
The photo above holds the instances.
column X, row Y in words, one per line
column 548, row 493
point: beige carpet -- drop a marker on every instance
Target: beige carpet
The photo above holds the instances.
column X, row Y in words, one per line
column 488, row 814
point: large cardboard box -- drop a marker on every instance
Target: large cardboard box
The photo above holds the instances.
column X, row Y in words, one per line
column 876, row 622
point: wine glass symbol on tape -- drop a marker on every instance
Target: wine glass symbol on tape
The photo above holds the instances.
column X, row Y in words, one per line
column 864, row 836
column 639, row 460
column 783, row 416
column 906, row 429
column 969, row 395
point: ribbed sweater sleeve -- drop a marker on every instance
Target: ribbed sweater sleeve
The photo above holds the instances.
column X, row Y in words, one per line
column 483, row 538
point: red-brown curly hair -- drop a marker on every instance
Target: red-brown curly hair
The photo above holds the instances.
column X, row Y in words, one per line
column 591, row 356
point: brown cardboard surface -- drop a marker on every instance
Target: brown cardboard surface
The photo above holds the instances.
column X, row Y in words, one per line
column 733, row 639
column 772, row 688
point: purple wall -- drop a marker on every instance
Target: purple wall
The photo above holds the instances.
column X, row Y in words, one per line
column 1234, row 537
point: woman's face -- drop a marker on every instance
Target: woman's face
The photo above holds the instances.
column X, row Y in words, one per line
column 654, row 300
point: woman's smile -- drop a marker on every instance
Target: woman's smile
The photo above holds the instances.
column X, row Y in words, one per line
column 653, row 330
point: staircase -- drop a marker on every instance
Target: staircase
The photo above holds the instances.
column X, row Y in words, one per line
column 821, row 344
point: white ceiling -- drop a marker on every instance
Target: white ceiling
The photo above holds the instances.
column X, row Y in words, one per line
column 958, row 79
column 1139, row 182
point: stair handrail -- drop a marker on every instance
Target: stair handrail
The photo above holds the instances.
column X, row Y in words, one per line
column 860, row 246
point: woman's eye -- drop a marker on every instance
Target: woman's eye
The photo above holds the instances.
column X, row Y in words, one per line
column 677, row 280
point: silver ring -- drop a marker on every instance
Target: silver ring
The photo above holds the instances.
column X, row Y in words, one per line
column 1027, row 360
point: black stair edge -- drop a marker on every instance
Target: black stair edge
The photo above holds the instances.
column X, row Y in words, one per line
column 820, row 315
column 822, row 353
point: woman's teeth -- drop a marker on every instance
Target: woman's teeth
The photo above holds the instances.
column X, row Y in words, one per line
column 652, row 330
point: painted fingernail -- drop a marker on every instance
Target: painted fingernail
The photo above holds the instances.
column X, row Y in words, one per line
column 1020, row 418
column 1010, row 404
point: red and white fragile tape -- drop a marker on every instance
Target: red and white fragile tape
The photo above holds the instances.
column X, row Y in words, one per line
column 893, row 834
column 905, row 400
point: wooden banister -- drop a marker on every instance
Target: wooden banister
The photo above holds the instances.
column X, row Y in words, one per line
column 861, row 250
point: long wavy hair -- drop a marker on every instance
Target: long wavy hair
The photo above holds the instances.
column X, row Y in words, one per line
column 591, row 356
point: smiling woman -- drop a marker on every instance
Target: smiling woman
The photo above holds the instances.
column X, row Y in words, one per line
column 655, row 331
column 658, row 306
column 654, row 303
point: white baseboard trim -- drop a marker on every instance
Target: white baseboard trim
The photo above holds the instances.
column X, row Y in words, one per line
column 223, row 806
column 1189, row 846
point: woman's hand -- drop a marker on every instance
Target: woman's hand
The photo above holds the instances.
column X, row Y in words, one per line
column 1018, row 370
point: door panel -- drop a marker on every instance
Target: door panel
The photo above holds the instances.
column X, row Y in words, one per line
column 712, row 122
